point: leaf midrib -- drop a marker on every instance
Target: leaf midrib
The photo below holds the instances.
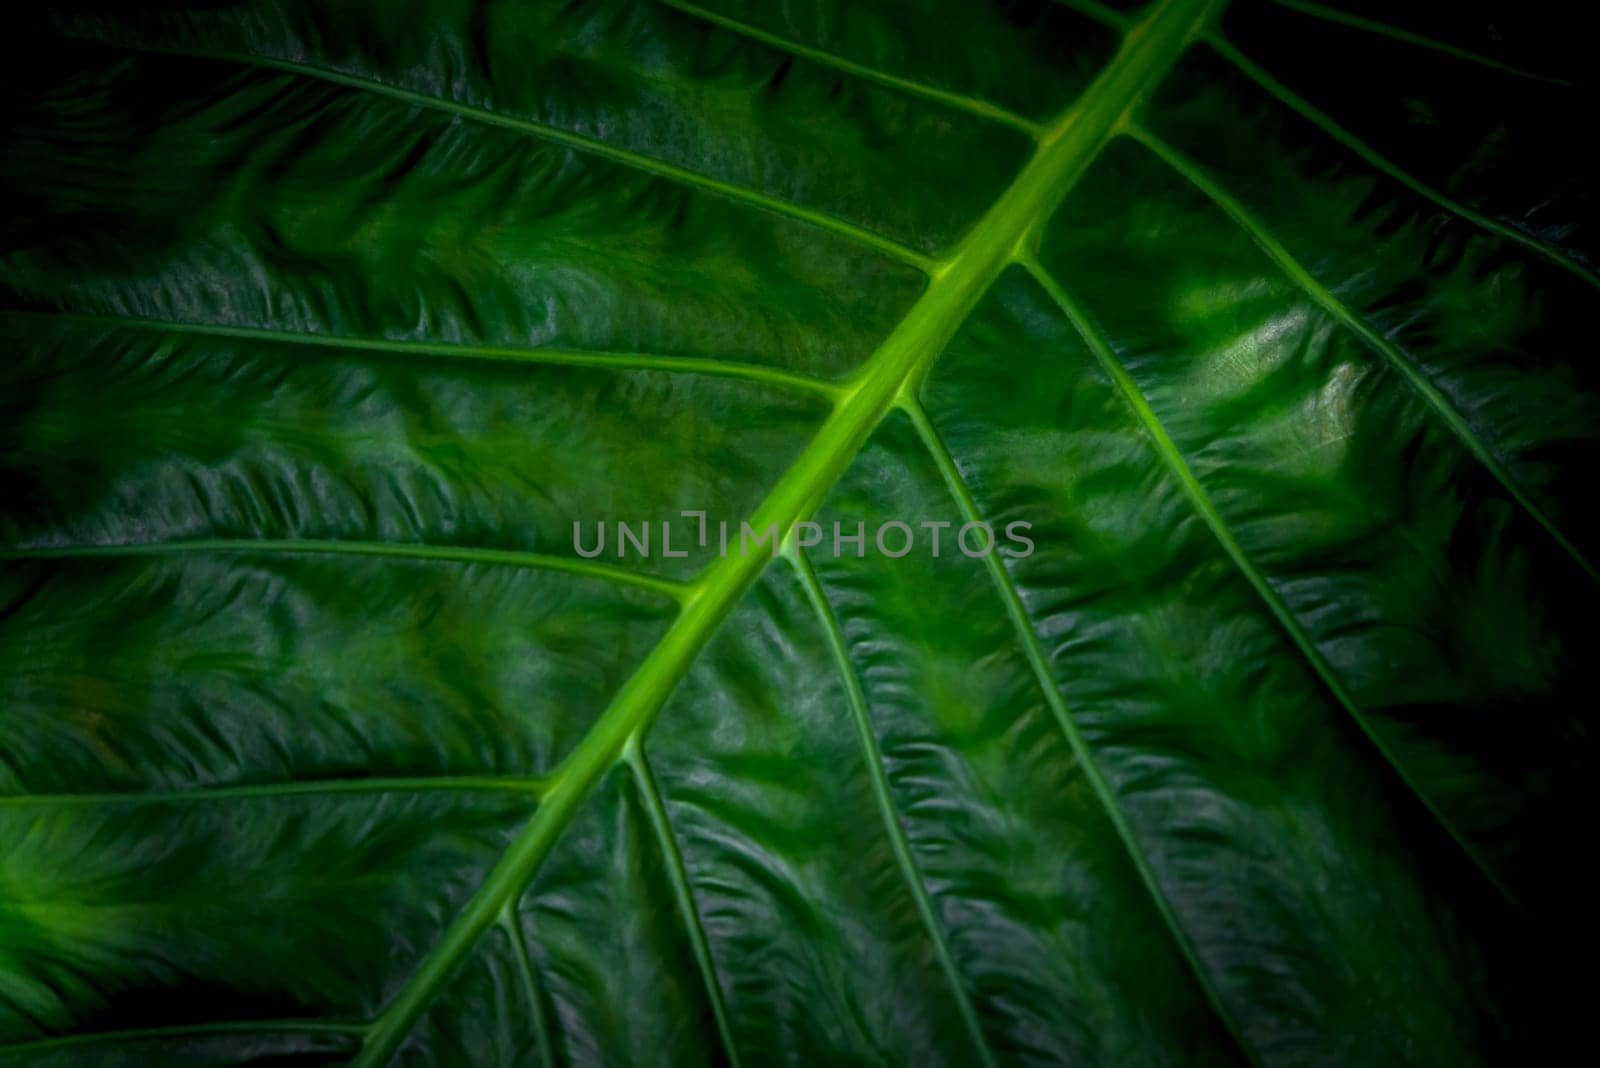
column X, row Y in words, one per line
column 1066, row 148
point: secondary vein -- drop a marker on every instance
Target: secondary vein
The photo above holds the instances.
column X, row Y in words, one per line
column 1324, row 122
column 1104, row 14
column 1028, row 638
column 872, row 756
column 511, row 924
column 543, row 131
column 302, row 788
column 1173, row 458
column 1383, row 29
column 617, row 361
column 960, row 101
column 1431, row 395
column 225, row 1027
column 678, row 876
column 455, row 554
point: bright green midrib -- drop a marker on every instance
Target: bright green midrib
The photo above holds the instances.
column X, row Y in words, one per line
column 1324, row 298
column 1040, row 664
column 873, row 759
column 1174, row 460
column 454, row 554
column 955, row 285
column 615, row 361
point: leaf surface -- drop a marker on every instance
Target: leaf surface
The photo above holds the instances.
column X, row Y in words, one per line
column 324, row 324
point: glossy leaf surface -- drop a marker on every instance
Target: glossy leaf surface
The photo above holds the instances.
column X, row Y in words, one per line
column 324, row 323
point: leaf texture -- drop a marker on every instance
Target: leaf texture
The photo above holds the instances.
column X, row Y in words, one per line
column 324, row 323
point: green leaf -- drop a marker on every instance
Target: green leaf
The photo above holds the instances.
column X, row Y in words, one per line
column 325, row 323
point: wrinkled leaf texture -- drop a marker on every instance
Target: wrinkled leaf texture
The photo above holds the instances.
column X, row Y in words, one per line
column 323, row 321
